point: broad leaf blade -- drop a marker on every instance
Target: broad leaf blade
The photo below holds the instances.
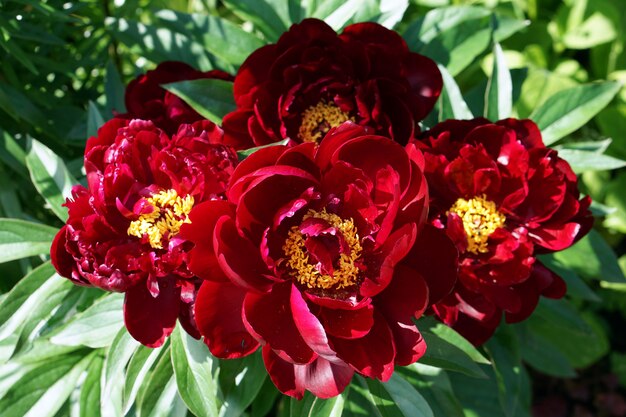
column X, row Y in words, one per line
column 50, row 176
column 20, row 239
column 211, row 98
column 192, row 365
column 568, row 110
column 498, row 97
column 451, row 103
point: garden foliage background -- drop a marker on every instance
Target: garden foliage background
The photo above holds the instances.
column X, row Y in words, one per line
column 64, row 350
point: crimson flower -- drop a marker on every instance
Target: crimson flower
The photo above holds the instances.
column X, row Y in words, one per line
column 146, row 99
column 313, row 79
column 502, row 197
column 322, row 256
column 122, row 231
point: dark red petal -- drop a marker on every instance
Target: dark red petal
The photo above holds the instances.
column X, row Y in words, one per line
column 219, row 318
column 405, row 297
column 372, row 355
column 150, row 319
column 61, row 260
column 269, row 318
column 348, row 324
column 239, row 259
column 410, row 345
column 321, row 377
column 435, row 258
column 204, row 216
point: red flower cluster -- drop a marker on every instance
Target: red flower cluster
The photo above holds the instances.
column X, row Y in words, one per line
column 321, row 255
column 324, row 251
column 502, row 197
column 122, row 231
column 313, row 79
column 147, row 100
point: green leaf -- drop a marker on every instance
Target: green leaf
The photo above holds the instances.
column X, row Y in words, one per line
column 50, row 176
column 95, row 327
column 241, row 155
column 223, row 39
column 12, row 154
column 396, row 397
column 498, row 96
column 434, row 385
column 27, row 296
column 512, row 379
column 265, row 399
column 90, row 391
column 118, row 355
column 451, row 103
column 193, row 365
column 114, row 90
column 211, row 98
column 446, row 355
column 592, row 258
column 479, row 397
column 590, row 161
column 20, row 239
column 158, row 399
column 240, row 382
column 261, row 14
column 446, row 333
column 138, row 368
column 570, row 109
column 576, row 287
column 310, row 406
column 42, row 391
column 94, row 119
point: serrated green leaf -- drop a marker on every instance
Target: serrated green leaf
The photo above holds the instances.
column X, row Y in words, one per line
column 95, row 327
column 211, row 98
column 451, row 103
column 42, row 391
column 498, row 96
column 90, row 391
column 50, row 176
column 193, row 365
column 570, row 109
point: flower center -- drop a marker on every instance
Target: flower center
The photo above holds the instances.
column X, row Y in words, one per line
column 324, row 254
column 480, row 219
column 319, row 119
column 169, row 213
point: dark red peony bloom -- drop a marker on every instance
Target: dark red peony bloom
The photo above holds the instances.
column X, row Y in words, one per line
column 322, row 256
column 147, row 100
column 502, row 197
column 313, row 79
column 122, row 231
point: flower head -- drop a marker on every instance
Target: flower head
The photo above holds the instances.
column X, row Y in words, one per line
column 320, row 255
column 146, row 98
column 503, row 197
column 313, row 79
column 123, row 230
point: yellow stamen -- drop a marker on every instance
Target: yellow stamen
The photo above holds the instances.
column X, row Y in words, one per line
column 346, row 273
column 319, row 119
column 480, row 219
column 169, row 213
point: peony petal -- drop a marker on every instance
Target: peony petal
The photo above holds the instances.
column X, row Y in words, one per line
column 218, row 312
column 405, row 297
column 149, row 319
column 348, row 324
column 269, row 318
column 373, row 355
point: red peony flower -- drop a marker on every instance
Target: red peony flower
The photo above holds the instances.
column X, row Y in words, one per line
column 502, row 197
column 122, row 231
column 147, row 100
column 320, row 255
column 313, row 79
